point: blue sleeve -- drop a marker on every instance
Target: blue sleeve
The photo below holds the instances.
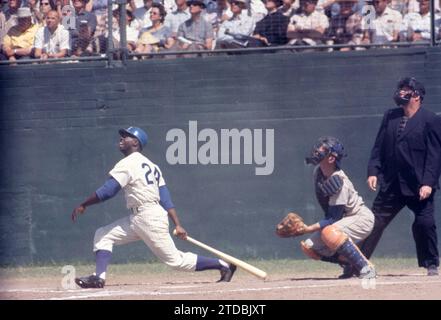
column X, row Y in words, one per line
column 108, row 190
column 165, row 198
column 334, row 214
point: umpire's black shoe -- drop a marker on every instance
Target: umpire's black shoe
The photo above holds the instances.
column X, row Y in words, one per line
column 227, row 273
column 90, row 282
column 432, row 271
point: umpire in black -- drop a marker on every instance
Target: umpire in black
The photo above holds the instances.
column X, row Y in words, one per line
column 406, row 163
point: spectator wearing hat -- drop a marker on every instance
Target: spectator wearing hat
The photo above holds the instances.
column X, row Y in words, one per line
column 340, row 31
column 271, row 30
column 19, row 41
column 386, row 26
column 307, row 27
column 235, row 32
column 195, row 33
column 178, row 16
column 158, row 36
column 52, row 41
column 416, row 25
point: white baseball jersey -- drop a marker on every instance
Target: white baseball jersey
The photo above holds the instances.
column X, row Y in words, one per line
column 139, row 178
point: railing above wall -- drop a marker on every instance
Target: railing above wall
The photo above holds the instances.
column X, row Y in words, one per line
column 118, row 56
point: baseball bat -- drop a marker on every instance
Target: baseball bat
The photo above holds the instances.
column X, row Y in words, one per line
column 226, row 257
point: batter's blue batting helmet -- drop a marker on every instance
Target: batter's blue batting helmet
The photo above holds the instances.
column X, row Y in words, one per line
column 137, row 133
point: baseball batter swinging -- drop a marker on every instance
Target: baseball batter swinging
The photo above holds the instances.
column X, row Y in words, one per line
column 347, row 219
column 150, row 204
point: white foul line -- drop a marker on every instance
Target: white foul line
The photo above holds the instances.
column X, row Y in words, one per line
column 115, row 293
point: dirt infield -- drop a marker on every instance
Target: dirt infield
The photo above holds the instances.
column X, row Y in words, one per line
column 407, row 283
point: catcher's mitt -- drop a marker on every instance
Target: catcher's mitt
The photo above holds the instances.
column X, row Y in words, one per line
column 291, row 226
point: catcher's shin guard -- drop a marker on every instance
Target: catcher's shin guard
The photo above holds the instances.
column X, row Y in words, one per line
column 354, row 255
column 337, row 240
column 307, row 249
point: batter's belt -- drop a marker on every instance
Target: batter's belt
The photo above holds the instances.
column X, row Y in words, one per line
column 144, row 206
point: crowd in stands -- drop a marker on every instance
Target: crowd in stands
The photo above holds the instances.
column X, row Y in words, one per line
column 43, row 29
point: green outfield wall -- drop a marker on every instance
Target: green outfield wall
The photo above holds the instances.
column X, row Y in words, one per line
column 59, row 135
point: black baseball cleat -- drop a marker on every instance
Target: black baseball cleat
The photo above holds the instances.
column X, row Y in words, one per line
column 90, row 282
column 348, row 272
column 227, row 273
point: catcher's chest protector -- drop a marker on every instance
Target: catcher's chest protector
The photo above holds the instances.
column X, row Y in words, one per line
column 322, row 199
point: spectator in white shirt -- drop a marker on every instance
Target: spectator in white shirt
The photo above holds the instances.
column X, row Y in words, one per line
column 235, row 32
column 307, row 27
column 416, row 26
column 52, row 41
column 386, row 25
column 257, row 10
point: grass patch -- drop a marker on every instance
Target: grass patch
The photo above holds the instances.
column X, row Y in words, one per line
column 280, row 266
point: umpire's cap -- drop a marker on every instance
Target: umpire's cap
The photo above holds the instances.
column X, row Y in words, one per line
column 137, row 133
column 413, row 84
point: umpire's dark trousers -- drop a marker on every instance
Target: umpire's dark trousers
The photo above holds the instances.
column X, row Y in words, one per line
column 385, row 208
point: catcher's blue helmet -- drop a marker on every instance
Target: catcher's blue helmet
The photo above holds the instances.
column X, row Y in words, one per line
column 137, row 133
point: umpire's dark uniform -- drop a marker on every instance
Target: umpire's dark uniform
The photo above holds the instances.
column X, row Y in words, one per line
column 403, row 163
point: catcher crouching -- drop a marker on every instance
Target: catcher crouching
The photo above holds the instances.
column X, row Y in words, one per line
column 347, row 220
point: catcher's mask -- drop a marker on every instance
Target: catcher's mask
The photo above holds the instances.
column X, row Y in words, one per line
column 416, row 90
column 331, row 146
